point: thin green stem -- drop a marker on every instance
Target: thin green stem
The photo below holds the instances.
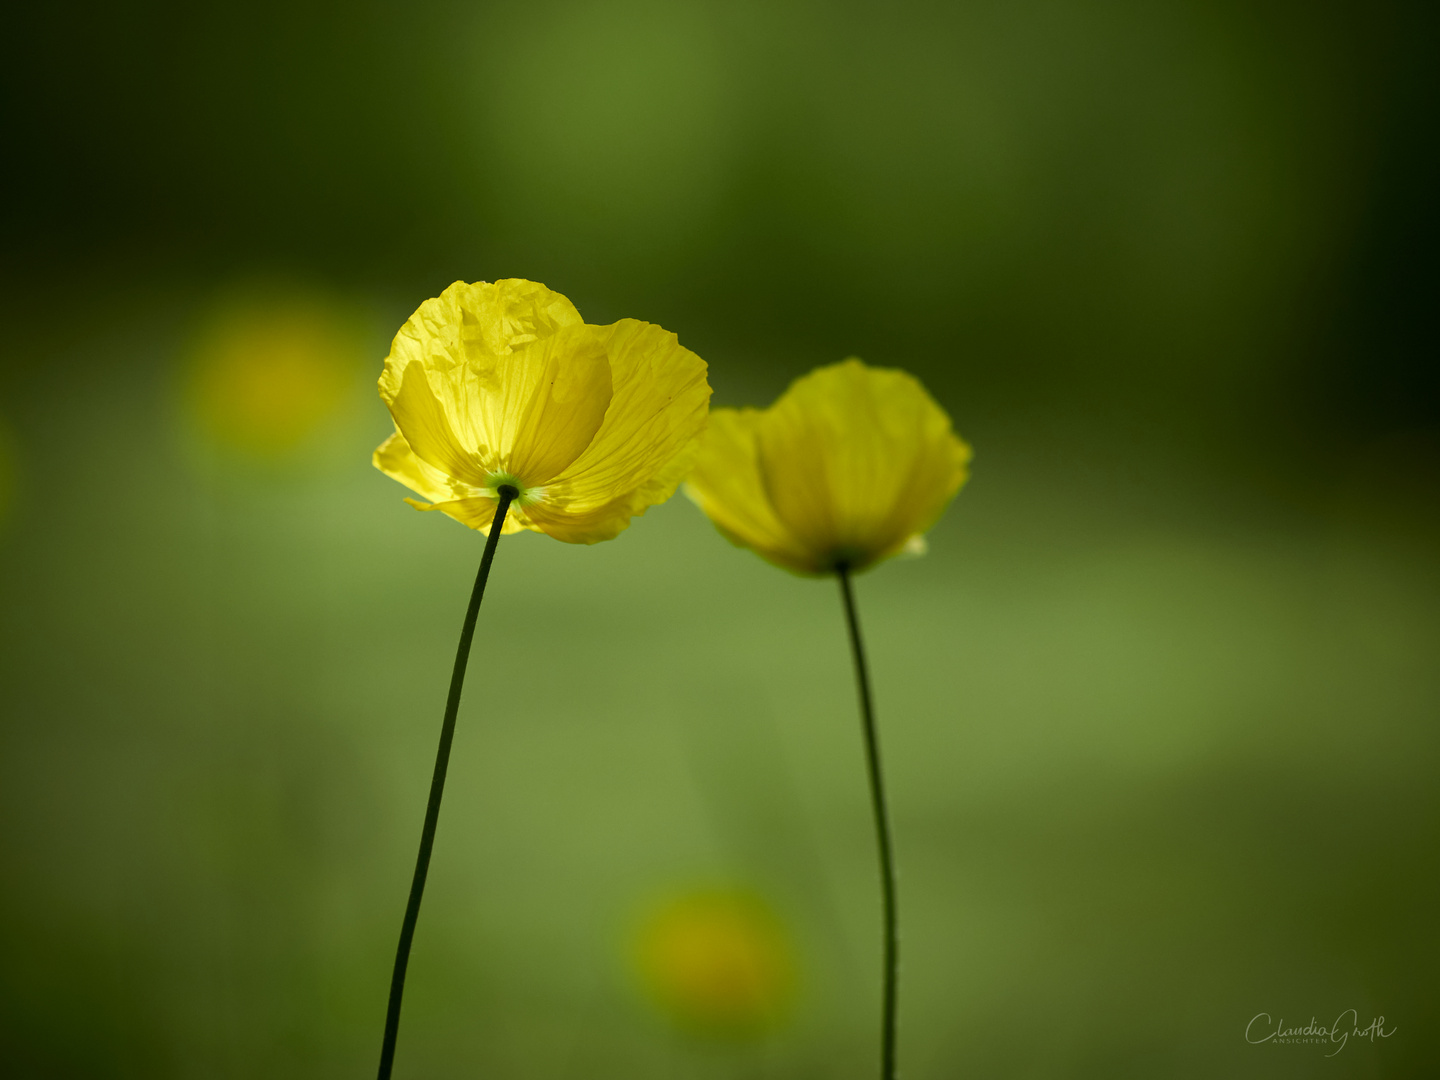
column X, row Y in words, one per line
column 437, row 787
column 882, row 833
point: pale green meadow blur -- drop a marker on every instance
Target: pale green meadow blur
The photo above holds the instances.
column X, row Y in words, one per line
column 1158, row 708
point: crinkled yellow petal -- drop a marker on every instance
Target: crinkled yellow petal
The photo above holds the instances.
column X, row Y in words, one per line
column 396, row 460
column 479, row 514
column 468, row 505
column 856, row 460
column 581, row 526
column 550, row 400
column 643, row 449
column 457, row 339
column 726, row 484
column 421, row 419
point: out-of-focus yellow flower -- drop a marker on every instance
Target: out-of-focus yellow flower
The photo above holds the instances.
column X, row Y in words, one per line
column 850, row 466
column 503, row 384
column 270, row 366
column 718, row 962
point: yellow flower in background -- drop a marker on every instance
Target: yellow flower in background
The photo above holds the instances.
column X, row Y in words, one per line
column 718, row 962
column 270, row 366
column 503, row 384
column 850, row 466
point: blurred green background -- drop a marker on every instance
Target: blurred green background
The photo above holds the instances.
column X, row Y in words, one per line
column 1159, row 706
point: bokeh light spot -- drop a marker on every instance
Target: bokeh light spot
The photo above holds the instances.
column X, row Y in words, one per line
column 270, row 366
column 718, row 962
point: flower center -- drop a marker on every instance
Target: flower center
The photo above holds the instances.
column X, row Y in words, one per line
column 848, row 557
column 523, row 495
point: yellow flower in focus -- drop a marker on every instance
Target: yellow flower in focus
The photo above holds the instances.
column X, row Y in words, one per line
column 502, row 384
column 269, row 367
column 718, row 962
column 850, row 466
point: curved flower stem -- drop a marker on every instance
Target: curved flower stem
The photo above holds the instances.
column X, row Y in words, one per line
column 882, row 832
column 437, row 787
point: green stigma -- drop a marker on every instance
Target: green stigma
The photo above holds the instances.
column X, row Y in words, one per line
column 496, row 480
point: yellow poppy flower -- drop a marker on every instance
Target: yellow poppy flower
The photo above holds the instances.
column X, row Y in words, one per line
column 502, row 384
column 850, row 466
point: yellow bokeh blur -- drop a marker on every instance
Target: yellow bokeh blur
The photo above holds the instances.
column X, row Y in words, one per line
column 718, row 962
column 270, row 366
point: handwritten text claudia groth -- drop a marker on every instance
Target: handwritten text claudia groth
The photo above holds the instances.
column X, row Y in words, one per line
column 1262, row 1029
